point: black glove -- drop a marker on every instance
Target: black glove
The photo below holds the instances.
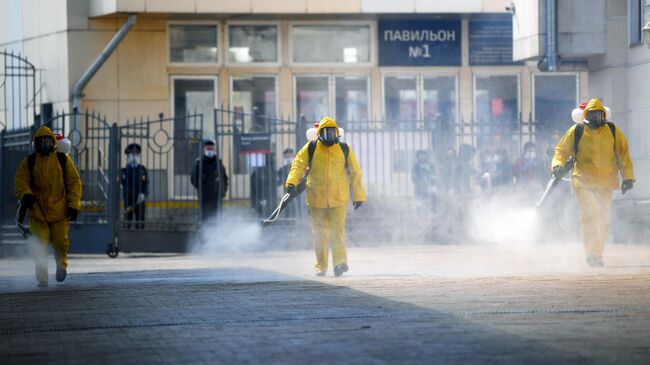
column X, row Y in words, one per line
column 71, row 214
column 357, row 205
column 291, row 189
column 28, row 200
column 556, row 170
column 626, row 185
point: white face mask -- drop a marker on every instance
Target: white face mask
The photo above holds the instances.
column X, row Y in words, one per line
column 133, row 159
column 530, row 155
column 288, row 160
column 209, row 153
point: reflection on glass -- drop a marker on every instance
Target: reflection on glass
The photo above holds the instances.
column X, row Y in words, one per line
column 351, row 98
column 497, row 100
column 255, row 96
column 439, row 98
column 400, row 98
column 192, row 96
column 555, row 97
column 193, row 43
column 312, row 97
column 252, row 43
column 331, row 44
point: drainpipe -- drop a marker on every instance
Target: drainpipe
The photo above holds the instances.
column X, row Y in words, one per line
column 549, row 62
column 97, row 64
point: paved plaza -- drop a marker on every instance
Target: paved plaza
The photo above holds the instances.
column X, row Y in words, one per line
column 397, row 305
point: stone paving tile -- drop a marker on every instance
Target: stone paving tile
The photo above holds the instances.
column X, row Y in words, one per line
column 213, row 311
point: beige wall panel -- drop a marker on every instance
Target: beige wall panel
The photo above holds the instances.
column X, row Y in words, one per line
column 103, row 108
column 224, row 6
column 136, row 6
column 495, row 6
column 285, row 89
column 143, row 67
column 146, row 23
column 108, row 24
column 333, row 6
column 140, row 108
column 84, row 49
column 446, row 6
column 170, row 6
column 279, row 6
column 387, row 6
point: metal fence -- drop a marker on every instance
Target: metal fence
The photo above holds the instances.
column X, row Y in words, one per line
column 20, row 97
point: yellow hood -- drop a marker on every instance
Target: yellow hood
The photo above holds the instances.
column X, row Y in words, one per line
column 44, row 131
column 326, row 122
column 594, row 104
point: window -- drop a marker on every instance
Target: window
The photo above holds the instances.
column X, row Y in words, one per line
column 400, row 98
column 344, row 97
column 255, row 96
column 331, row 44
column 193, row 43
column 496, row 100
column 554, row 98
column 635, row 21
column 351, row 98
column 420, row 97
column 252, row 44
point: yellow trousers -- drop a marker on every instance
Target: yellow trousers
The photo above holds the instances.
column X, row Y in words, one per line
column 55, row 233
column 328, row 227
column 595, row 205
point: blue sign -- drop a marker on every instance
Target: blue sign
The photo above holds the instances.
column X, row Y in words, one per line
column 419, row 42
column 490, row 41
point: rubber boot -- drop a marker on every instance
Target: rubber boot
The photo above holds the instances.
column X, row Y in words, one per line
column 340, row 269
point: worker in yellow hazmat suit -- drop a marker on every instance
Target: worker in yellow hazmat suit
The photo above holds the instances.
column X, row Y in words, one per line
column 48, row 184
column 333, row 167
column 600, row 151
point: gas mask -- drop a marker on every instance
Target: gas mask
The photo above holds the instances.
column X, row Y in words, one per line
column 595, row 119
column 329, row 136
column 44, row 145
column 209, row 153
column 133, row 159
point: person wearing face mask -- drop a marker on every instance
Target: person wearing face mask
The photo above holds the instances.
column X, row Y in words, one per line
column 49, row 186
column 333, row 169
column 210, row 179
column 135, row 186
column 528, row 169
column 601, row 152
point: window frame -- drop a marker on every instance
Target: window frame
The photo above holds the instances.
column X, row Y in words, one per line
column 475, row 75
column 252, row 74
column 220, row 42
column 278, row 43
column 373, row 43
column 419, row 89
column 632, row 26
column 533, row 93
column 331, row 89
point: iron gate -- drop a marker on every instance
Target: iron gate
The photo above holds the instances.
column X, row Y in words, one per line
column 94, row 149
column 169, row 149
column 19, row 96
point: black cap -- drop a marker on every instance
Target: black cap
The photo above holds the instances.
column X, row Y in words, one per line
column 208, row 142
column 133, row 148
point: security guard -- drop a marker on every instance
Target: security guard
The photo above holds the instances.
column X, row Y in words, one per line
column 49, row 186
column 600, row 151
column 135, row 186
column 333, row 168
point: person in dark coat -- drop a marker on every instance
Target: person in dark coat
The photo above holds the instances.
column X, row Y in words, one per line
column 135, row 185
column 210, row 179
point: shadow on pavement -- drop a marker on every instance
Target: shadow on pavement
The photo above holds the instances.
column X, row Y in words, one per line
column 241, row 315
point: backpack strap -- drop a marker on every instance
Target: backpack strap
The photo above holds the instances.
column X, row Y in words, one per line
column 63, row 162
column 312, row 148
column 612, row 128
column 580, row 128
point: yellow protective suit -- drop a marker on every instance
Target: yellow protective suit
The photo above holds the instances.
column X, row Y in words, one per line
column 328, row 193
column 595, row 175
column 47, row 218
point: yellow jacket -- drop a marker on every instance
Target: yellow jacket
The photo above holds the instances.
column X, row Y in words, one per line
column 328, row 184
column 51, row 197
column 597, row 164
